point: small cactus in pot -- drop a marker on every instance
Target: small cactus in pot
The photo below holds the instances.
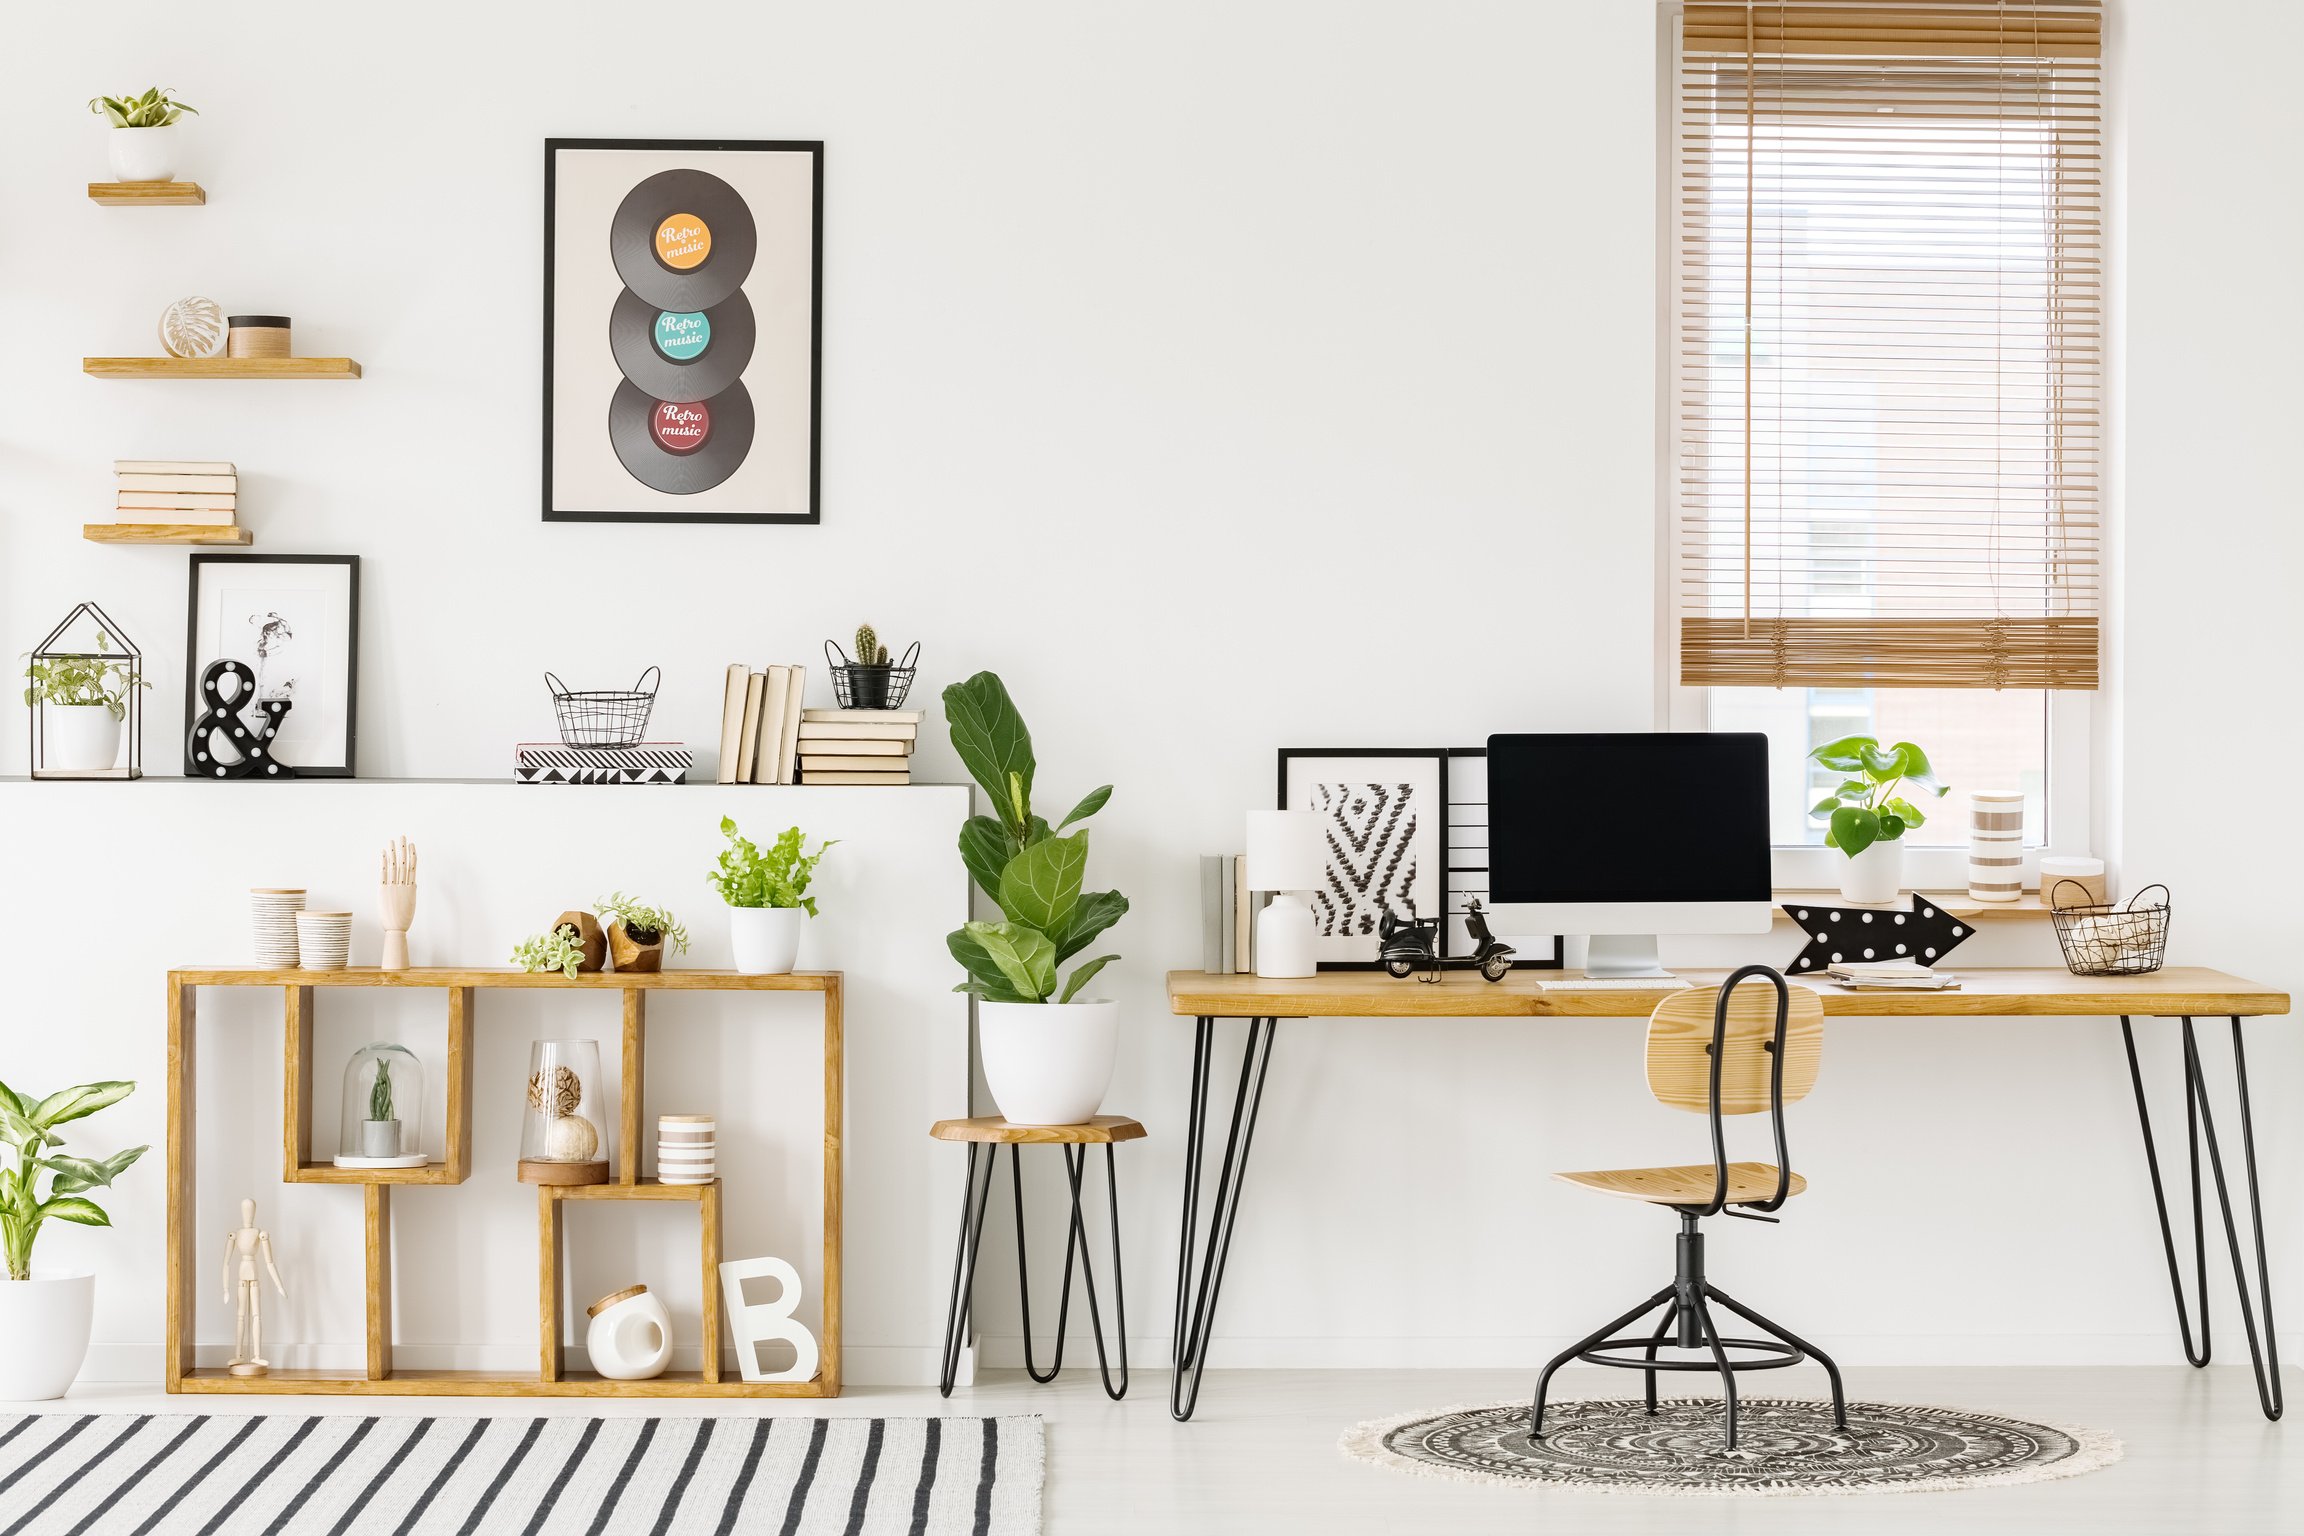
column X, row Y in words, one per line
column 869, row 680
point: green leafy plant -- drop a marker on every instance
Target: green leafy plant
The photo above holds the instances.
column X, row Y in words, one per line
column 81, row 680
column 154, row 109
column 869, row 651
column 644, row 924
column 1030, row 868
column 560, row 950
column 746, row 877
column 28, row 1127
column 380, row 1092
column 1873, row 803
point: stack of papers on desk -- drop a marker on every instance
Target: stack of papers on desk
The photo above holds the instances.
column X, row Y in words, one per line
column 1893, row 976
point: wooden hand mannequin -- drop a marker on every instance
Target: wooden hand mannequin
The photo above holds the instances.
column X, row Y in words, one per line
column 242, row 1248
column 396, row 901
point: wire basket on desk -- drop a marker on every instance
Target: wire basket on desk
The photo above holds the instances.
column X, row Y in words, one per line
column 2101, row 939
column 604, row 717
column 857, row 686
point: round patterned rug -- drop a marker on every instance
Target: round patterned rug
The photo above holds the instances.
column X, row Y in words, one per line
column 1786, row 1447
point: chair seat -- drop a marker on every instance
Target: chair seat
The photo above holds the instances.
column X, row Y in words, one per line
column 1691, row 1185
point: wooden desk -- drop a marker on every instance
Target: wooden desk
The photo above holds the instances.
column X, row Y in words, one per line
column 2180, row 992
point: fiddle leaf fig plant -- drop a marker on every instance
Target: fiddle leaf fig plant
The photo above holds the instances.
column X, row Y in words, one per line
column 28, row 1129
column 1873, row 803
column 1032, row 870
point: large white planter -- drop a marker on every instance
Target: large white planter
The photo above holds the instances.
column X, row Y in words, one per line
column 1048, row 1063
column 78, row 738
column 1876, row 874
column 142, row 154
column 44, row 1323
column 766, row 939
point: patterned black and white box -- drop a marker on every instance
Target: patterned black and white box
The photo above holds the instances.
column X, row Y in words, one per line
column 651, row 762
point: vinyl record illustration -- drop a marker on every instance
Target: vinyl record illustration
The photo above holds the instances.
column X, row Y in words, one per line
column 680, row 355
column 683, row 240
column 680, row 447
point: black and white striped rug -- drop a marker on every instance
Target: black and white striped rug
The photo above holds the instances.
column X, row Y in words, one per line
column 182, row 1474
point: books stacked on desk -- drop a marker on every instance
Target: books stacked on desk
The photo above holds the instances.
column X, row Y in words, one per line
column 857, row 746
column 1893, row 976
column 650, row 762
column 1227, row 916
column 760, row 724
column 187, row 493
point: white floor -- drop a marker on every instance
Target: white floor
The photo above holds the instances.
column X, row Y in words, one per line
column 1261, row 1455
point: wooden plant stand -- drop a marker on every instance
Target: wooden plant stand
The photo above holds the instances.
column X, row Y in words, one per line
column 299, row 1166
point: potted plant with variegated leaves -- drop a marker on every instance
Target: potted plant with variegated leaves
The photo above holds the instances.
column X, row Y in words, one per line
column 1047, row 1050
column 45, row 1318
column 143, row 137
column 1874, row 806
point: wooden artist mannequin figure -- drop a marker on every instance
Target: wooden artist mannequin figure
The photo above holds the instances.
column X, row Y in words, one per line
column 244, row 1247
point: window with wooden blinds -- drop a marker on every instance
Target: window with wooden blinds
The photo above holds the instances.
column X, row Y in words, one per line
column 1890, row 334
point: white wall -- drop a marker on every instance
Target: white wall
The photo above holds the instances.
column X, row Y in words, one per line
column 1228, row 377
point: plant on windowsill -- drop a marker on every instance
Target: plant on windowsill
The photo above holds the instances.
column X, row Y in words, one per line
column 767, row 896
column 638, row 934
column 44, row 1319
column 1048, row 1054
column 1872, row 809
column 143, row 138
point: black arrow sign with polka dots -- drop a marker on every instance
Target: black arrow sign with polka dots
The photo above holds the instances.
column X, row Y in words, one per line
column 1855, row 935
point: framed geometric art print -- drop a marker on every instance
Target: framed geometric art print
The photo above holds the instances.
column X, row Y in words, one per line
column 683, row 330
column 1384, row 820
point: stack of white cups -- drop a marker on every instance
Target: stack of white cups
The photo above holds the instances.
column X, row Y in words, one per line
column 1995, row 844
column 687, row 1149
column 274, row 912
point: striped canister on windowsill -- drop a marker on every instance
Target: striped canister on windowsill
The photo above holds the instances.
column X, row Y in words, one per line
column 1995, row 844
column 687, row 1149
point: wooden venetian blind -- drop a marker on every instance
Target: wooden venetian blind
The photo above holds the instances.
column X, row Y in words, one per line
column 1890, row 277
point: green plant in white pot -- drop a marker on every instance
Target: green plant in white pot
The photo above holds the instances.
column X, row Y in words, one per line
column 82, row 701
column 767, row 896
column 1047, row 1051
column 142, row 143
column 1872, row 809
column 45, row 1318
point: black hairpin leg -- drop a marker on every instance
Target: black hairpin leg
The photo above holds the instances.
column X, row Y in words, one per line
column 2199, row 1125
column 972, row 1207
column 1196, row 1308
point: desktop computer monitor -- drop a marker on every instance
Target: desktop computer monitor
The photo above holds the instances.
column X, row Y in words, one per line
column 1626, row 836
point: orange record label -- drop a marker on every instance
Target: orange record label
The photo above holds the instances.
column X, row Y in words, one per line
column 683, row 241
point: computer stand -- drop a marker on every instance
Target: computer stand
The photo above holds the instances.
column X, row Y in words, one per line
column 1624, row 956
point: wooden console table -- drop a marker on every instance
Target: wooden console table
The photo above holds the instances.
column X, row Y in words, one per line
column 2181, row 992
column 300, row 1166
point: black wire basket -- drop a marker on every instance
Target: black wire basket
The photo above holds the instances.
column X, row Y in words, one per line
column 604, row 717
column 857, row 686
column 2101, row 939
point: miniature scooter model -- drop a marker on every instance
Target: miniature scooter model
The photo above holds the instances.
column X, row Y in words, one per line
column 1493, row 958
column 1403, row 947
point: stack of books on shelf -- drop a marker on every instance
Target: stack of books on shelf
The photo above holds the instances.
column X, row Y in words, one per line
column 857, row 746
column 184, row 493
column 1227, row 916
column 760, row 724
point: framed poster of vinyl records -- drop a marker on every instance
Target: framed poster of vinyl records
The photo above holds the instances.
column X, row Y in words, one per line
column 683, row 330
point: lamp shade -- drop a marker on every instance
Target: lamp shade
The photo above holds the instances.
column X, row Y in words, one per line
column 1286, row 851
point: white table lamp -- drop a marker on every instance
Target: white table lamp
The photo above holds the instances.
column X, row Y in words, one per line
column 1287, row 855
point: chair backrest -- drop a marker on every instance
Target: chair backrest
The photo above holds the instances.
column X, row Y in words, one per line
column 1680, row 1035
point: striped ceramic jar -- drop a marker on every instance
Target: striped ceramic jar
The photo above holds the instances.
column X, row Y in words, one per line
column 323, row 940
column 687, row 1149
column 1995, row 844
column 273, row 913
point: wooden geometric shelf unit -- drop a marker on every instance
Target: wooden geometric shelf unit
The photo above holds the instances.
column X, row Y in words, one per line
column 300, row 990
column 164, row 533
column 147, row 194
column 220, row 367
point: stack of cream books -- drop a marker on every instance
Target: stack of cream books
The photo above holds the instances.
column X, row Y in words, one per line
column 182, row 493
column 760, row 725
column 1893, row 976
column 857, row 746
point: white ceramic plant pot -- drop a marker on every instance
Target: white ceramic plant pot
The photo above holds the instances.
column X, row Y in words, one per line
column 1048, row 1063
column 766, row 939
column 379, row 1138
column 79, row 738
column 1876, row 874
column 143, row 154
column 44, row 1324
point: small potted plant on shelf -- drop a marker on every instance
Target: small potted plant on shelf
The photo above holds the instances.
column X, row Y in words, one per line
column 1048, row 1051
column 638, row 934
column 44, row 1319
column 767, row 896
column 380, row 1132
column 1872, row 809
column 559, row 949
column 143, row 138
column 82, row 700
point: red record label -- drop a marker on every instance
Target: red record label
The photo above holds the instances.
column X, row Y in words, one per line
column 680, row 428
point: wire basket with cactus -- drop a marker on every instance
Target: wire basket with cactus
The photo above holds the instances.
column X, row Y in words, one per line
column 869, row 680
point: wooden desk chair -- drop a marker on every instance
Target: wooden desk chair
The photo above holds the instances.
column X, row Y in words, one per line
column 1714, row 1052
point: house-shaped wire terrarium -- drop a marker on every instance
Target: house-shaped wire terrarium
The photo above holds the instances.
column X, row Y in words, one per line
column 383, row 1121
column 84, row 688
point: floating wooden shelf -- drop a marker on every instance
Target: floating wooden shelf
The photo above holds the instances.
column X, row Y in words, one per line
column 164, row 533
column 220, row 367
column 147, row 194
column 300, row 990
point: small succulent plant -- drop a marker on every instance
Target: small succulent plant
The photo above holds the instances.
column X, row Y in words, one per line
column 644, row 924
column 154, row 109
column 560, row 950
column 869, row 651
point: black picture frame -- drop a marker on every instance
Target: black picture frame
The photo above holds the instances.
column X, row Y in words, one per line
column 1438, row 758
column 195, row 663
column 814, row 148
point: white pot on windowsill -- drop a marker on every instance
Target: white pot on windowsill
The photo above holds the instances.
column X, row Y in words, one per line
column 1876, row 874
column 1048, row 1063
column 44, row 1324
column 142, row 154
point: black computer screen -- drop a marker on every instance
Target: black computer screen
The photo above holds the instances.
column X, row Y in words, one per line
column 1666, row 816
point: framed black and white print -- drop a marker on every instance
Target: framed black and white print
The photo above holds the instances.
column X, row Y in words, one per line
column 294, row 622
column 683, row 330
column 1384, row 814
